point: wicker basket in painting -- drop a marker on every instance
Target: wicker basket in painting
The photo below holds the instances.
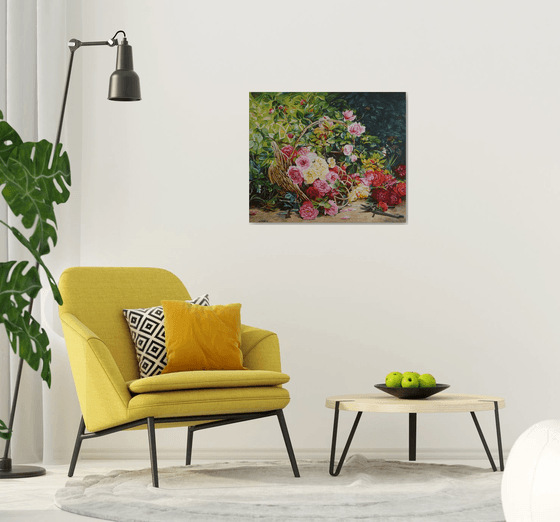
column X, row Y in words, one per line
column 278, row 174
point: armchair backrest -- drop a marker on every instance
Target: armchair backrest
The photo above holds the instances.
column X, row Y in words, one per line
column 98, row 295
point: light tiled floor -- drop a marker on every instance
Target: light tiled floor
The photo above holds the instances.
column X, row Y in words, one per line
column 31, row 499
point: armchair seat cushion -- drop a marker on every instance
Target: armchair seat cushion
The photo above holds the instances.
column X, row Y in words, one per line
column 206, row 402
column 207, row 379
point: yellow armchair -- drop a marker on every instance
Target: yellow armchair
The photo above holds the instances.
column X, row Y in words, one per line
column 111, row 393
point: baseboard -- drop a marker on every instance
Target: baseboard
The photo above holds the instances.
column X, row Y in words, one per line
column 224, row 454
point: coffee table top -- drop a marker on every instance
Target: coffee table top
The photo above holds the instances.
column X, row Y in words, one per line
column 440, row 403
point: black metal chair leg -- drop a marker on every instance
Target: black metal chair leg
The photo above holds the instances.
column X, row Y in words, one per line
column 499, row 434
column 288, row 442
column 77, row 446
column 190, row 434
column 412, row 423
column 481, row 435
column 347, row 447
column 153, row 451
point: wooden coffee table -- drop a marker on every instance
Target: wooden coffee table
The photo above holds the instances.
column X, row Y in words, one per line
column 441, row 403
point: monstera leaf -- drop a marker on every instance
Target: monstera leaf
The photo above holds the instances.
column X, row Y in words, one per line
column 9, row 139
column 26, row 336
column 5, row 433
column 23, row 240
column 32, row 187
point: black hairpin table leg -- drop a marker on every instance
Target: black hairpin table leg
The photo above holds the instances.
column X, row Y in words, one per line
column 348, row 442
column 412, row 422
column 481, row 435
column 499, row 435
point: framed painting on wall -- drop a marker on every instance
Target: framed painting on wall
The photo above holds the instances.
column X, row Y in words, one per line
column 327, row 157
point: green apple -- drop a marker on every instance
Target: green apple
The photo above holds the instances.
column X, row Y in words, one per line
column 427, row 381
column 415, row 373
column 393, row 380
column 409, row 380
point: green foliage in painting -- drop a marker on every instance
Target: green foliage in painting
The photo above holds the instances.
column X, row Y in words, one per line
column 33, row 180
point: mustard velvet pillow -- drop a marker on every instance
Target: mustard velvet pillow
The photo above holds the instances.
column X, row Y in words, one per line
column 202, row 337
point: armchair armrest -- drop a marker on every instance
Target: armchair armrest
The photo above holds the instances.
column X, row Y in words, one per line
column 261, row 349
column 102, row 391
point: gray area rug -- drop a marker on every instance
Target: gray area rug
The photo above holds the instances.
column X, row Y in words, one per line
column 376, row 490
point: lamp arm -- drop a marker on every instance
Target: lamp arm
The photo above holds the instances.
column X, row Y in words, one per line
column 64, row 101
column 74, row 45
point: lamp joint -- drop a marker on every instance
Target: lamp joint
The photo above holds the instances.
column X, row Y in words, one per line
column 74, row 45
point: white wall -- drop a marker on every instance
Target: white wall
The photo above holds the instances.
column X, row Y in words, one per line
column 467, row 290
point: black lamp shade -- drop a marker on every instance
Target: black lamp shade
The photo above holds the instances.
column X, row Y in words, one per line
column 124, row 84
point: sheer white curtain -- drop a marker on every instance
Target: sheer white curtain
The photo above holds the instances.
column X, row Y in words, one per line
column 36, row 57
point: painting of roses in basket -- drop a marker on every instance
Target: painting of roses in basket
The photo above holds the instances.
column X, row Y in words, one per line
column 320, row 157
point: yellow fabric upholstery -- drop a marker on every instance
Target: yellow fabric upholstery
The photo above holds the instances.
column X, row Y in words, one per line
column 207, row 379
column 202, row 337
column 98, row 295
column 103, row 358
column 206, row 402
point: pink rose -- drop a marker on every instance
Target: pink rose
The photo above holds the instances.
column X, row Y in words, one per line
column 332, row 176
column 349, row 115
column 353, row 157
column 347, row 149
column 303, row 162
column 322, row 186
column 295, row 175
column 333, row 211
column 308, row 211
column 304, row 151
column 356, row 129
column 288, row 150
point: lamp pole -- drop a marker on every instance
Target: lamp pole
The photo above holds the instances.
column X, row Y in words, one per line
column 124, row 85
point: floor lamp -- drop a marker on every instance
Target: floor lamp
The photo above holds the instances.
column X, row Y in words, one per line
column 124, row 85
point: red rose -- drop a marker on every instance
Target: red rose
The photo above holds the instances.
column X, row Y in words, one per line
column 288, row 150
column 400, row 189
column 377, row 178
column 383, row 206
column 401, row 170
column 381, row 195
column 290, row 135
column 312, row 193
column 302, row 102
column 393, row 199
column 270, row 111
column 390, row 181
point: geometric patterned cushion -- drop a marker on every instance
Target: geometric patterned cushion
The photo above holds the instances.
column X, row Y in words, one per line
column 148, row 335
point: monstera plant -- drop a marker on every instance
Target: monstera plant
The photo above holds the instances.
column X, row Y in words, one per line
column 32, row 180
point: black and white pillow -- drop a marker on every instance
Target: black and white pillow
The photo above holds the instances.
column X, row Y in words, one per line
column 148, row 335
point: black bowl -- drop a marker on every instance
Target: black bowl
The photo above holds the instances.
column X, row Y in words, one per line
column 412, row 393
